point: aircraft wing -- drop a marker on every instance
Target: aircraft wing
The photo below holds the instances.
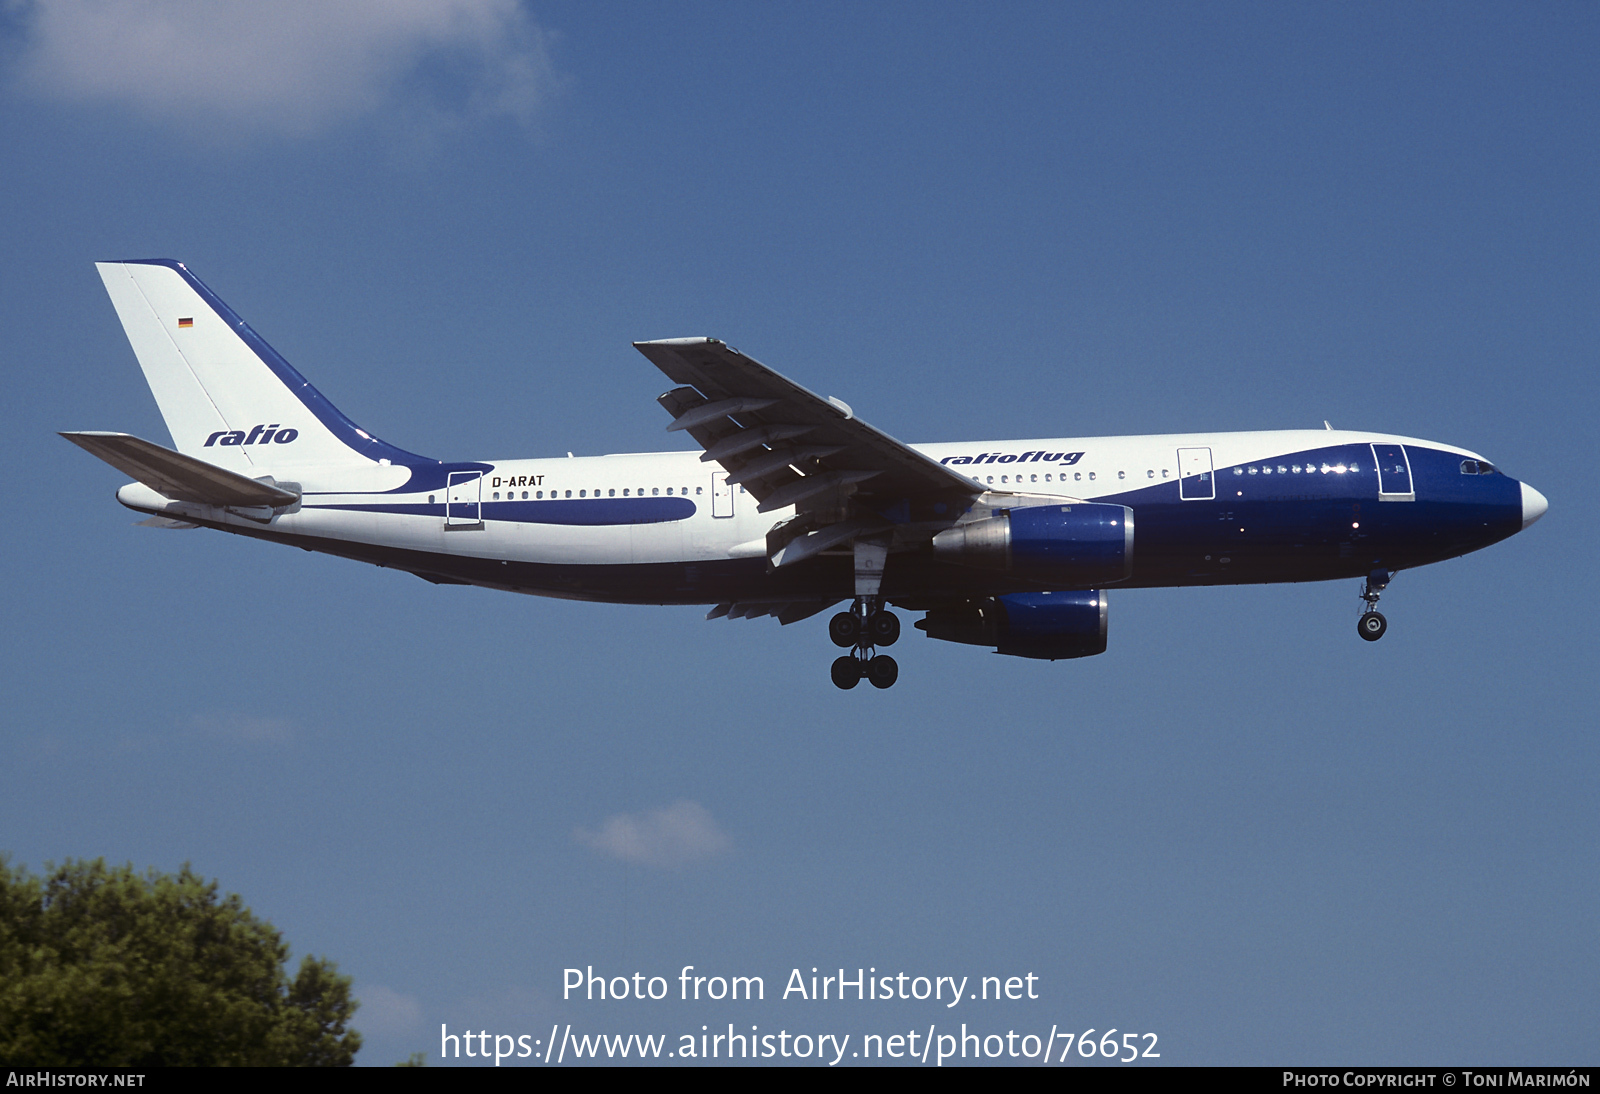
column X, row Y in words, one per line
column 789, row 446
column 179, row 477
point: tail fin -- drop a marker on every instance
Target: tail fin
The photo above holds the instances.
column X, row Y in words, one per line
column 228, row 398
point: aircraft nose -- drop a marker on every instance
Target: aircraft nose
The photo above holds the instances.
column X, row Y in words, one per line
column 1533, row 505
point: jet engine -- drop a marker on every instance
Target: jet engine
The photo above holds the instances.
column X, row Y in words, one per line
column 1082, row 544
column 1051, row 626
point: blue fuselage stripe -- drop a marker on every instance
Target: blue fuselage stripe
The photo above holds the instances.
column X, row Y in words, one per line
column 580, row 511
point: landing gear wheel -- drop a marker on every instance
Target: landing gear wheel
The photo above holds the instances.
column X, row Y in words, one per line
column 883, row 671
column 847, row 673
column 1371, row 626
column 884, row 627
column 845, row 630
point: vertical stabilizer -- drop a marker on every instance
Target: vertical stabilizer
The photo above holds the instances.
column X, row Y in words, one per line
column 227, row 397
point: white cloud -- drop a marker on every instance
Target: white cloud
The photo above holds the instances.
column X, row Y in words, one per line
column 681, row 834
column 289, row 66
column 384, row 1010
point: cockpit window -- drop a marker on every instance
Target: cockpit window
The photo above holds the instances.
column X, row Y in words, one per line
column 1477, row 467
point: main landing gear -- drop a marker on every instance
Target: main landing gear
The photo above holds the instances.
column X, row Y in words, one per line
column 864, row 627
column 1372, row 624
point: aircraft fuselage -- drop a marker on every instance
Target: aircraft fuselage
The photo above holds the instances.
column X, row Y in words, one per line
column 663, row 528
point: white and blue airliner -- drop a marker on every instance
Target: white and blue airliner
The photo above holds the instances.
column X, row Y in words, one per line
column 793, row 505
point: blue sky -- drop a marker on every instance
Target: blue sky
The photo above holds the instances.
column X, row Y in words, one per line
column 1241, row 828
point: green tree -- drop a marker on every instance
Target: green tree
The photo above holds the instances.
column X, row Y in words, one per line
column 102, row 966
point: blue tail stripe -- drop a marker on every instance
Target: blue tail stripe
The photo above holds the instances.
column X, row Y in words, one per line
column 314, row 401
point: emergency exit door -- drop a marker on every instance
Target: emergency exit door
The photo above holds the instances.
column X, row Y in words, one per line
column 721, row 495
column 1196, row 481
column 463, row 500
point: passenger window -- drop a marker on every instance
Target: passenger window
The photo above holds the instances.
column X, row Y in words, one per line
column 1091, row 476
column 1282, row 470
column 1238, row 470
column 569, row 493
column 430, row 499
column 669, row 491
column 1149, row 474
column 1122, row 474
column 1033, row 478
column 655, row 490
column 991, row 480
column 699, row 490
column 1252, row 471
column 582, row 493
column 1077, row 476
column 611, row 493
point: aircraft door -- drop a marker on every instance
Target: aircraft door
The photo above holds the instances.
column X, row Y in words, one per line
column 1195, row 479
column 463, row 500
column 1394, row 473
column 721, row 495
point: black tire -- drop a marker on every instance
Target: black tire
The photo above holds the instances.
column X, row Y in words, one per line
column 884, row 627
column 1371, row 626
column 844, row 629
column 846, row 673
column 883, row 671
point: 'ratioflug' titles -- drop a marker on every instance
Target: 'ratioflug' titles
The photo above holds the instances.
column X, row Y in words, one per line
column 261, row 434
column 1065, row 459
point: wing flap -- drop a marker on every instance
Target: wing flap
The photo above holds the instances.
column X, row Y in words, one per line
column 785, row 612
column 180, row 477
column 741, row 413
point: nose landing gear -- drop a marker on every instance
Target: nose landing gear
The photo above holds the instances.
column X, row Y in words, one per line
column 865, row 627
column 1372, row 624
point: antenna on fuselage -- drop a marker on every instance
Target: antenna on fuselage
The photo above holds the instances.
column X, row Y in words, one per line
column 1326, row 426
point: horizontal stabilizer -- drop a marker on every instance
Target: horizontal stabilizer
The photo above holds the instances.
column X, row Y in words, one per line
column 179, row 477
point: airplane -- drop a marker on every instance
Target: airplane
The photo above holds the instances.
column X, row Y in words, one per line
column 793, row 505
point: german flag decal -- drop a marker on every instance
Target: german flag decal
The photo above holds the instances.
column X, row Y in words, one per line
column 186, row 322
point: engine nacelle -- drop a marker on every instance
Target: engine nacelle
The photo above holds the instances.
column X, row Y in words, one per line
column 1083, row 543
column 1052, row 626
